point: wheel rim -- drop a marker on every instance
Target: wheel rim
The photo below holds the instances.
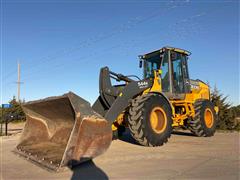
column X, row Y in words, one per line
column 158, row 120
column 208, row 117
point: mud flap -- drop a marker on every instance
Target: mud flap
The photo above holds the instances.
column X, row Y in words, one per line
column 63, row 131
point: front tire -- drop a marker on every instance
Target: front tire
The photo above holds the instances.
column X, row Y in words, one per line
column 150, row 120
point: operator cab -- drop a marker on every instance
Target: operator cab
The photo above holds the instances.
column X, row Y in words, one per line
column 173, row 64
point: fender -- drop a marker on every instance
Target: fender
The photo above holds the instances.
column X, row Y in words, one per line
column 165, row 97
column 123, row 100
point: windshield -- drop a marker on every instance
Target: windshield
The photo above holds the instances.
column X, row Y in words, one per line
column 152, row 64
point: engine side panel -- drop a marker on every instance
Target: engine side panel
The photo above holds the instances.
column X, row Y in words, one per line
column 199, row 90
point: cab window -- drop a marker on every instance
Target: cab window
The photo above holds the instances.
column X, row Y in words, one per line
column 165, row 74
column 150, row 65
column 177, row 64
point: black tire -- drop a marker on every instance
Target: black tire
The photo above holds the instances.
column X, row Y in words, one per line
column 139, row 120
column 118, row 133
column 198, row 125
column 115, row 135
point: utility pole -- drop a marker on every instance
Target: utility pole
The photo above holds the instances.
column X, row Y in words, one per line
column 18, row 83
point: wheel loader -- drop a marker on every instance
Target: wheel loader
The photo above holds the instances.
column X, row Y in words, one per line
column 66, row 130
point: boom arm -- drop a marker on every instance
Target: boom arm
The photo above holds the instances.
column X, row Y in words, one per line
column 114, row 99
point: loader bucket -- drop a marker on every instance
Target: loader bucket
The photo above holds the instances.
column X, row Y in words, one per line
column 63, row 131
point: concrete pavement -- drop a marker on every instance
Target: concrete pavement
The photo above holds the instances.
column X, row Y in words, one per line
column 183, row 157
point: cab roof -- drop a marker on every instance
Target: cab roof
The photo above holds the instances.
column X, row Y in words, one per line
column 154, row 53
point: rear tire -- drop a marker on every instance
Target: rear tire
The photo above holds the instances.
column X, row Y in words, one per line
column 205, row 121
column 150, row 120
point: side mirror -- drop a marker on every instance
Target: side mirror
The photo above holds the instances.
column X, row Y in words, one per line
column 140, row 63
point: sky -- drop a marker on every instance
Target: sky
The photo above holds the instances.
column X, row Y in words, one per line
column 61, row 45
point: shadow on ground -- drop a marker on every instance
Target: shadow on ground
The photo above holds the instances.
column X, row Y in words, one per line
column 126, row 136
column 88, row 170
column 182, row 133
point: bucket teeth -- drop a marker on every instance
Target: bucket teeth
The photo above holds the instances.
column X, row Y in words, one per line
column 63, row 130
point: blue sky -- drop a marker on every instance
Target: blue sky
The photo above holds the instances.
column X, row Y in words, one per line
column 61, row 45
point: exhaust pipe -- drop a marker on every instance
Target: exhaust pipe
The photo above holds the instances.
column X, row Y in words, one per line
column 63, row 131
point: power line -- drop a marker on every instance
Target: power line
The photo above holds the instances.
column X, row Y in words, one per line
column 127, row 26
column 92, row 40
column 84, row 58
column 9, row 74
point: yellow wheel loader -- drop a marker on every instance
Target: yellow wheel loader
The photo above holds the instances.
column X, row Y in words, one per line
column 66, row 130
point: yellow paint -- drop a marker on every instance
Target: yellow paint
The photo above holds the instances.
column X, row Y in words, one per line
column 216, row 109
column 187, row 111
column 158, row 120
column 186, row 105
column 156, row 82
column 208, row 118
column 202, row 92
column 114, row 127
column 117, row 122
column 156, row 87
column 181, row 109
column 178, row 50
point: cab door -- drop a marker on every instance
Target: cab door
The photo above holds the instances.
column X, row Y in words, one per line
column 179, row 75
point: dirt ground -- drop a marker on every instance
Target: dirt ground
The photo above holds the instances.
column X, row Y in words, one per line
column 183, row 157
